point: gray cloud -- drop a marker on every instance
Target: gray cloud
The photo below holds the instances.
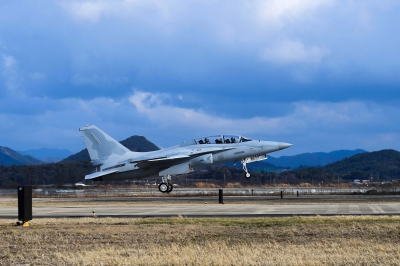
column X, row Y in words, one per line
column 278, row 69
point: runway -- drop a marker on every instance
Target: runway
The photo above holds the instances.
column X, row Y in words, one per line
column 209, row 210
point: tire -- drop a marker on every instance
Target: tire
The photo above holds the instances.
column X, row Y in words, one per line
column 170, row 188
column 163, row 187
column 247, row 175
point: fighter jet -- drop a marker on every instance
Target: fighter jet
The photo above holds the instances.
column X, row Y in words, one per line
column 113, row 161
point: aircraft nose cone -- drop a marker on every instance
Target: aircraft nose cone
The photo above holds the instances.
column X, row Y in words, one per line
column 283, row 145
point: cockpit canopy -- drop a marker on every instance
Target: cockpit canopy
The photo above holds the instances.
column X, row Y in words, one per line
column 221, row 139
column 217, row 139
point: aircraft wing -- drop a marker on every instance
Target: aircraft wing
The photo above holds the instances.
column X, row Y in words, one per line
column 102, row 173
column 166, row 158
column 145, row 162
column 161, row 160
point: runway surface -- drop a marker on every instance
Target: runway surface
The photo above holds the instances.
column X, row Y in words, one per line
column 209, row 210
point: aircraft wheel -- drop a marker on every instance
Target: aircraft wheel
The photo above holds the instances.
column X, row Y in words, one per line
column 247, row 175
column 163, row 187
column 170, row 187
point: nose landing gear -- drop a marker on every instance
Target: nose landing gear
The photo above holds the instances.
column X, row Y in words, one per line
column 247, row 175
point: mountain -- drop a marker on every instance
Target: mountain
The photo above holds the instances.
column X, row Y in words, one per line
column 384, row 164
column 381, row 165
column 48, row 155
column 134, row 143
column 313, row 159
column 11, row 157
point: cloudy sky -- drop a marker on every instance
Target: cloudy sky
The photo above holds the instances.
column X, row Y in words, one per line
column 321, row 74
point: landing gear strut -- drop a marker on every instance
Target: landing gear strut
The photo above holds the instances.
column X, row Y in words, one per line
column 165, row 185
column 247, row 175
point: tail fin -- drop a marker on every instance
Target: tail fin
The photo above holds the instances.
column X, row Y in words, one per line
column 100, row 145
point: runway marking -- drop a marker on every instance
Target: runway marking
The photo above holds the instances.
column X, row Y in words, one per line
column 379, row 208
column 332, row 209
column 267, row 210
column 343, row 209
column 374, row 209
column 354, row 209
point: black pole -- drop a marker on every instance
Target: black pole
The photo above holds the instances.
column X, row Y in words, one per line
column 24, row 203
column 281, row 194
column 297, row 193
column 221, row 196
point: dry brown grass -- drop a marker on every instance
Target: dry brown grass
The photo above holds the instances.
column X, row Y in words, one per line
column 234, row 185
column 205, row 185
column 346, row 240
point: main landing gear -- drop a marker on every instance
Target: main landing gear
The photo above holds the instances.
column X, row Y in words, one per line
column 165, row 185
column 244, row 162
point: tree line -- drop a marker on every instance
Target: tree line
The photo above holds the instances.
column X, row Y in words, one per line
column 375, row 166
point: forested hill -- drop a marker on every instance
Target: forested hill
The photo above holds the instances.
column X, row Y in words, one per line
column 384, row 163
column 11, row 157
column 134, row 143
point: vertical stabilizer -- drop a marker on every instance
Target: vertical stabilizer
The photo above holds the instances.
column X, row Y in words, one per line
column 100, row 145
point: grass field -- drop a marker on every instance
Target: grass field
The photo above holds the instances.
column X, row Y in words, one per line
column 349, row 240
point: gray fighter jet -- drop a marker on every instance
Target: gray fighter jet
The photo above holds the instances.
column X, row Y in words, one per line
column 113, row 161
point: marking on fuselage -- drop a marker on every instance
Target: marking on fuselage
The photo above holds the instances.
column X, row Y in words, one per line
column 96, row 139
column 206, row 159
column 239, row 152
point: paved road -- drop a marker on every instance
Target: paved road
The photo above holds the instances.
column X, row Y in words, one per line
column 210, row 210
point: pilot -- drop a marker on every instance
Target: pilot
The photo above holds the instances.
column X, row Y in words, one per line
column 206, row 141
column 233, row 140
column 227, row 141
column 218, row 141
column 201, row 141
